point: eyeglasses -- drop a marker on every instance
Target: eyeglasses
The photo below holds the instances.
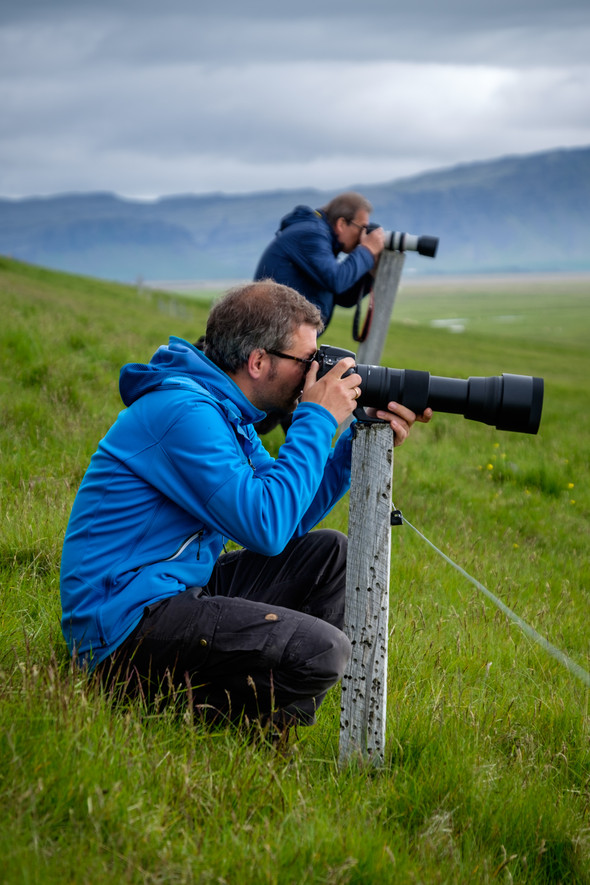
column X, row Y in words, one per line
column 356, row 224
column 298, row 359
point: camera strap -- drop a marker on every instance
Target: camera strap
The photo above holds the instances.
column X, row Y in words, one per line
column 362, row 334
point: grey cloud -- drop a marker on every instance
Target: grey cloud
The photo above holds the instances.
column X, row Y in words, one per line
column 522, row 32
column 147, row 98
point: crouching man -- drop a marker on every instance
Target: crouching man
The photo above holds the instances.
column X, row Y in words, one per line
column 149, row 598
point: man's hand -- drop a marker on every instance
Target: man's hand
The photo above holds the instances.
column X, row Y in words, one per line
column 336, row 394
column 400, row 419
column 375, row 241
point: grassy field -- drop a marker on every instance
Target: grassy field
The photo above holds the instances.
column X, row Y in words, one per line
column 487, row 769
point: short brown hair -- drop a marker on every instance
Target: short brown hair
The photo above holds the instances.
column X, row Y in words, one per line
column 345, row 206
column 261, row 315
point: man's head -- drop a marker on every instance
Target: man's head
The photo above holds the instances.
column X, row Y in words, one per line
column 348, row 215
column 263, row 315
column 264, row 335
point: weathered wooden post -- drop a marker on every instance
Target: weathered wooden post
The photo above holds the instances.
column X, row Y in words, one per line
column 389, row 271
column 364, row 685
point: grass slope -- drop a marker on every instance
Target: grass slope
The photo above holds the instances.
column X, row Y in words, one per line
column 487, row 774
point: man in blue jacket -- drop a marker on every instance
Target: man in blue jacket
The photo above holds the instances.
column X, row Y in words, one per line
column 305, row 253
column 148, row 597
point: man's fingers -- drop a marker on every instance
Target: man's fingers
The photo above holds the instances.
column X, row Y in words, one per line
column 312, row 376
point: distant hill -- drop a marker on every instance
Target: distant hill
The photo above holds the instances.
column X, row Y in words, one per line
column 514, row 214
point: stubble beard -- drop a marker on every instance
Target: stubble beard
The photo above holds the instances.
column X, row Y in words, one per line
column 284, row 403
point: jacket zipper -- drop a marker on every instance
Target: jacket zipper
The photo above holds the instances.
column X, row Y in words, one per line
column 178, row 553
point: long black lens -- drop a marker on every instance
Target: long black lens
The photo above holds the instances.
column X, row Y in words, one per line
column 508, row 402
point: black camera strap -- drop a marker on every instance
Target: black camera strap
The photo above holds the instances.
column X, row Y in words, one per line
column 362, row 334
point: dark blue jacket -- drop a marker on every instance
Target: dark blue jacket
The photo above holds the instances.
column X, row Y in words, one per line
column 180, row 471
column 304, row 255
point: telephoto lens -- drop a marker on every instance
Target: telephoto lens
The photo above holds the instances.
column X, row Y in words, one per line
column 507, row 402
column 398, row 241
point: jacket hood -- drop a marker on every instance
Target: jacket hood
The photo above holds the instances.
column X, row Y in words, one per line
column 299, row 214
column 307, row 215
column 176, row 360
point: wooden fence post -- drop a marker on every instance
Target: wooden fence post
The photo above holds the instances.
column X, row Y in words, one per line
column 364, row 685
column 389, row 271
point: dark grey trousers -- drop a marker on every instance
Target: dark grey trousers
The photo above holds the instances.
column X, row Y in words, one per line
column 263, row 639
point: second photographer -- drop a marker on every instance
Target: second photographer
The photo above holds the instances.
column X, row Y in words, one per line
column 304, row 253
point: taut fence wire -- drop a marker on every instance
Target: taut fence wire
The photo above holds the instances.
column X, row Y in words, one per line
column 555, row 652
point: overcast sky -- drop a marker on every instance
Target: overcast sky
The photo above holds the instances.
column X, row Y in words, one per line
column 148, row 98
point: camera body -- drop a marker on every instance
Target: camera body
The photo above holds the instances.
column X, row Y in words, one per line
column 398, row 241
column 508, row 402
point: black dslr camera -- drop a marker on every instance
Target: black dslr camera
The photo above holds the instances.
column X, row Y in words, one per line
column 508, row 402
column 397, row 241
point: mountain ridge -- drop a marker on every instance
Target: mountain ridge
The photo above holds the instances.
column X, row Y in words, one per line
column 517, row 213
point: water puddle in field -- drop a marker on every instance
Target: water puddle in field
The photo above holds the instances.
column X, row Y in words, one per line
column 459, row 324
column 452, row 325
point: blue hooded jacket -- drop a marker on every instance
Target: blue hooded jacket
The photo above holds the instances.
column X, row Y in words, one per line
column 180, row 471
column 303, row 255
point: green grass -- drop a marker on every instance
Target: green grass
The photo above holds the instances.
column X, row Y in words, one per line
column 487, row 764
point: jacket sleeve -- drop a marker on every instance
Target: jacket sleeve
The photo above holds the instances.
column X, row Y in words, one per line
column 312, row 251
column 259, row 502
column 335, row 483
column 335, row 480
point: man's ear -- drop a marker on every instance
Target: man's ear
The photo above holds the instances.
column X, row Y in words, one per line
column 256, row 362
column 339, row 225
